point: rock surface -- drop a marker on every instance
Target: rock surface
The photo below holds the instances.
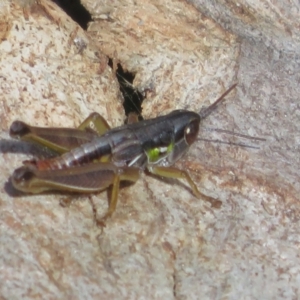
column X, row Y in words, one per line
column 162, row 242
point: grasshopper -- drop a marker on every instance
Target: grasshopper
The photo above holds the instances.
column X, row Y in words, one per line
column 93, row 157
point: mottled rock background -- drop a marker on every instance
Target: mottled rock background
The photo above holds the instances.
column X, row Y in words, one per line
column 162, row 242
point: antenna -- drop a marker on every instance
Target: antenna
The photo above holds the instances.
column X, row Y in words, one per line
column 242, row 145
column 249, row 137
column 204, row 112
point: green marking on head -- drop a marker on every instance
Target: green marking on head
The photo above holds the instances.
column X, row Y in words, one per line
column 153, row 154
column 170, row 148
column 157, row 153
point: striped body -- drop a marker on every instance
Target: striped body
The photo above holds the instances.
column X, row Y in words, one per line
column 159, row 141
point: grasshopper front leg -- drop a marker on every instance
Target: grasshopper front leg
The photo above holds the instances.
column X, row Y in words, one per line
column 174, row 173
column 89, row 178
column 61, row 140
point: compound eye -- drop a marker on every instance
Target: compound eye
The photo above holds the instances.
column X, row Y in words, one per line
column 191, row 132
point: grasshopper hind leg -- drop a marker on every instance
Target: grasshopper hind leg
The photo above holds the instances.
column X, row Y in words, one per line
column 174, row 173
column 61, row 140
column 89, row 178
column 112, row 203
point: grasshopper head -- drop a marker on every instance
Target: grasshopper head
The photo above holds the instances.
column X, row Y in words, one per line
column 186, row 126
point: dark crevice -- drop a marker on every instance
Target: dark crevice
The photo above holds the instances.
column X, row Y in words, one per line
column 132, row 97
column 76, row 11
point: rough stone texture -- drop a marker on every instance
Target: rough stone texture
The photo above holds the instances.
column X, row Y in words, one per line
column 275, row 23
column 162, row 242
column 167, row 46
